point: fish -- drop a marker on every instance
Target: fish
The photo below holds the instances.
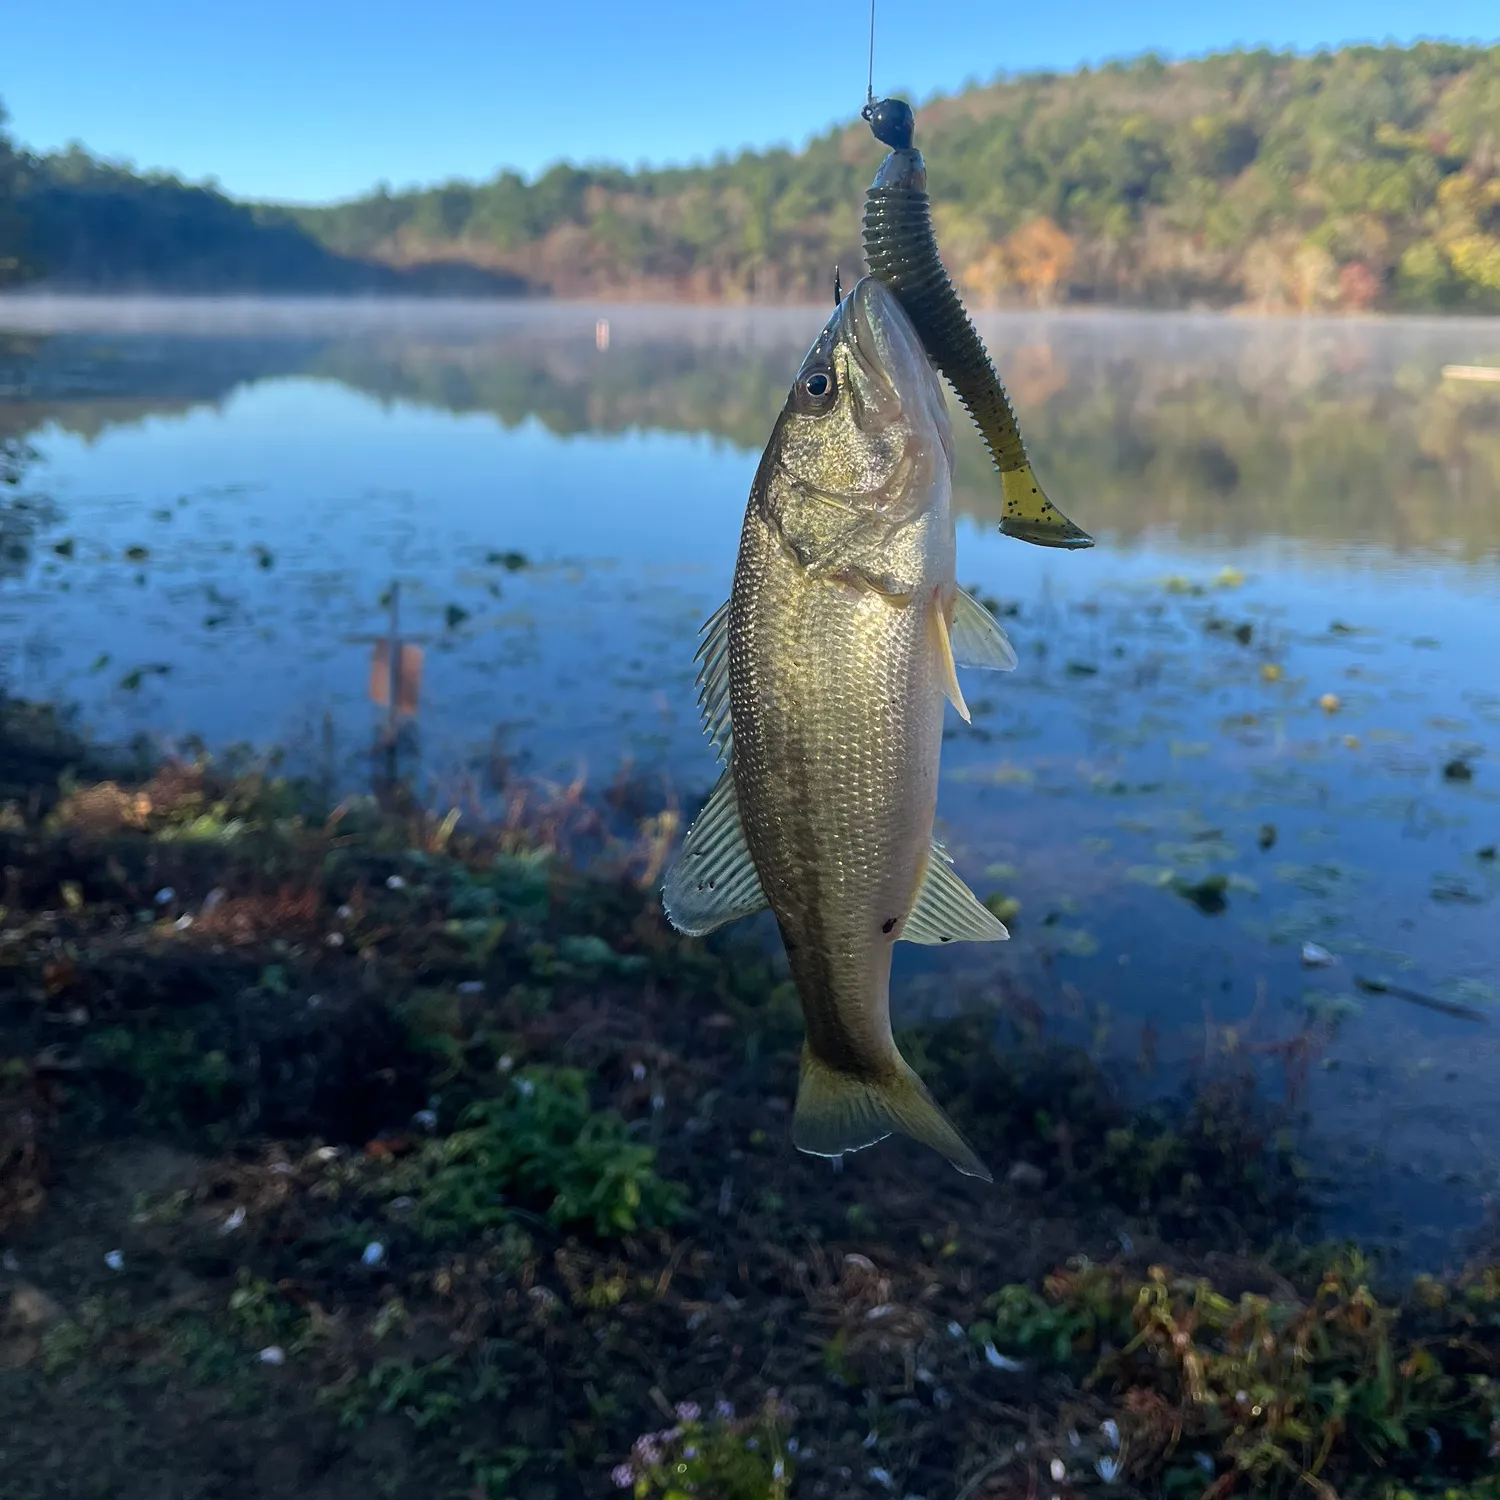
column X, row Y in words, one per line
column 822, row 682
column 902, row 251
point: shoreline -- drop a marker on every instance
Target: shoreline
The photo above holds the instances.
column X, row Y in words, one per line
column 39, row 310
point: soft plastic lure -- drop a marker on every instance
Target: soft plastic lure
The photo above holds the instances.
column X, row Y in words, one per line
column 902, row 252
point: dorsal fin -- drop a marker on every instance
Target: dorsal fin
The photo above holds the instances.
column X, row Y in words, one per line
column 713, row 881
column 713, row 681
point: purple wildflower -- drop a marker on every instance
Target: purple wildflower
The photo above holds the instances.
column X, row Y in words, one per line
column 724, row 1410
column 623, row 1476
column 688, row 1411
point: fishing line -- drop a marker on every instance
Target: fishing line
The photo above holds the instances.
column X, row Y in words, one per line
column 870, row 85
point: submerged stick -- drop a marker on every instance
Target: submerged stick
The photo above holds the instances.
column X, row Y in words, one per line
column 1416, row 997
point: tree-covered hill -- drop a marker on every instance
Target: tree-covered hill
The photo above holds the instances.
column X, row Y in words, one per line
column 1366, row 177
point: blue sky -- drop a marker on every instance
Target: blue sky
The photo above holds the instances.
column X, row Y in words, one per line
column 320, row 99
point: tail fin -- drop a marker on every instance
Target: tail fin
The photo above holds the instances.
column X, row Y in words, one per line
column 839, row 1112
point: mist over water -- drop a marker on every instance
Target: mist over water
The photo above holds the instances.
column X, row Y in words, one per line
column 1260, row 714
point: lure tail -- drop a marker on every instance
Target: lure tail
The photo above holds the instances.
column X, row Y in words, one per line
column 902, row 252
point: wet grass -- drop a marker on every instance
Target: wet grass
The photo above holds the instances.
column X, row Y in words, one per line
column 358, row 1151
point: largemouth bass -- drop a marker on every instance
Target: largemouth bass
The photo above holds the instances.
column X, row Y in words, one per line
column 822, row 683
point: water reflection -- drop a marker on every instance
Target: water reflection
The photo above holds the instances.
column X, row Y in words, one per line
column 1334, row 431
column 1232, row 734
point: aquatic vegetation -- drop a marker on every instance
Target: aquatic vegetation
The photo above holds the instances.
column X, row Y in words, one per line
column 1286, row 1390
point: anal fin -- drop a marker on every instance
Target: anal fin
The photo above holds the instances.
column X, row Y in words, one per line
column 946, row 910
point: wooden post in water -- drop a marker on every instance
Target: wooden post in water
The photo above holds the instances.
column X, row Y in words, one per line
column 396, row 686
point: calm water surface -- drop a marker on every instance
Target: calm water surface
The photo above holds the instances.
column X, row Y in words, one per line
column 1258, row 715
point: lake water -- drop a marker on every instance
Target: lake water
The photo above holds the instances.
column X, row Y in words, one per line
column 1258, row 715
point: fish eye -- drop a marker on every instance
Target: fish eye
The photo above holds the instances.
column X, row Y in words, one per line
column 816, row 388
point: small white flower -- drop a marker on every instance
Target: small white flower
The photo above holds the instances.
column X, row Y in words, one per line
column 505, row 1064
column 688, row 1411
column 165, row 894
column 955, row 1330
column 1107, row 1468
column 1059, row 1471
column 1111, row 1430
column 638, row 1071
column 426, row 1118
column 525, row 1087
column 345, row 912
column 1074, row 1441
column 182, row 923
column 335, row 939
column 395, row 882
column 1315, row 957
column 272, row 1354
column 115, row 1261
column 882, row 1477
column 374, row 1253
column 233, row 1222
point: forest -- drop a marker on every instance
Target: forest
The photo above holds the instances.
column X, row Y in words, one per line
column 1363, row 178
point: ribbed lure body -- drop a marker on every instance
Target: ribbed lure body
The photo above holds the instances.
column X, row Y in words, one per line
column 902, row 253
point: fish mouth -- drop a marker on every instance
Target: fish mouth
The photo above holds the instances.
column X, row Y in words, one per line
column 886, row 357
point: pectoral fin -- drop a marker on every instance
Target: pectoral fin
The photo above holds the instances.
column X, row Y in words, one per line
column 943, row 645
column 1030, row 516
column 978, row 640
column 946, row 910
column 713, row 881
column 713, row 681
